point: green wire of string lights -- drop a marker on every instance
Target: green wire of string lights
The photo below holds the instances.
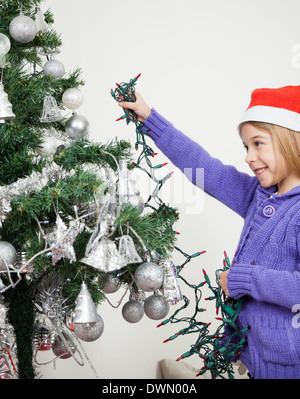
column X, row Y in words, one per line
column 218, row 348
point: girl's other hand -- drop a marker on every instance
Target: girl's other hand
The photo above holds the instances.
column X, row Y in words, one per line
column 223, row 280
column 140, row 107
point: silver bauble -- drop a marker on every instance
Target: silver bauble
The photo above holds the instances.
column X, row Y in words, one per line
column 112, row 284
column 8, row 255
column 133, row 311
column 72, row 98
column 60, row 349
column 23, row 29
column 4, row 44
column 89, row 332
column 149, row 276
column 156, row 307
column 54, row 68
column 77, row 126
column 47, row 148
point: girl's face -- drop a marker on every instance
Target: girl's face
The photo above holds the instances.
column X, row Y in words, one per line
column 261, row 157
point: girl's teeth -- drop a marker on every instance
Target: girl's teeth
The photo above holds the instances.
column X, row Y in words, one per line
column 259, row 171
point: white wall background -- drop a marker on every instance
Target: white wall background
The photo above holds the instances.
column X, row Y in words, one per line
column 199, row 61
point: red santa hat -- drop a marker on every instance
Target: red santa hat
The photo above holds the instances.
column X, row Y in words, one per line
column 277, row 106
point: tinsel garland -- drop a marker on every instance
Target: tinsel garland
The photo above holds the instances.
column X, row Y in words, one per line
column 219, row 348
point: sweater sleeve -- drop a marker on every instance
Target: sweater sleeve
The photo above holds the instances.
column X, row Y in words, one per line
column 279, row 287
column 223, row 182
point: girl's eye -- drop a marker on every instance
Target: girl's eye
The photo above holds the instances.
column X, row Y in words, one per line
column 246, row 148
column 257, row 143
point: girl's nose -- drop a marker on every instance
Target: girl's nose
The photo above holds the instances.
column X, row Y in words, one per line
column 251, row 156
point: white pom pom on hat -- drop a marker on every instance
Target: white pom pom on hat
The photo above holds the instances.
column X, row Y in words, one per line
column 279, row 106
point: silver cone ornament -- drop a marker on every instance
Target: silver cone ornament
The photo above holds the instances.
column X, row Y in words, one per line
column 85, row 309
column 6, row 112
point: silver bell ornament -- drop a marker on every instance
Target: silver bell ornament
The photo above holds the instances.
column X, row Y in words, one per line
column 8, row 255
column 104, row 256
column 127, row 250
column 85, row 310
column 171, row 289
column 89, row 332
column 156, row 307
column 54, row 68
column 6, row 112
column 23, row 29
column 51, row 112
column 72, row 98
column 47, row 148
column 128, row 193
column 77, row 126
column 149, row 276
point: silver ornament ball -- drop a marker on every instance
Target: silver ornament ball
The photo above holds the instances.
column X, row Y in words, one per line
column 112, row 284
column 47, row 147
column 54, row 68
column 8, row 255
column 156, row 307
column 72, row 98
column 4, row 44
column 77, row 126
column 133, row 311
column 60, row 349
column 89, row 332
column 22, row 29
column 149, row 276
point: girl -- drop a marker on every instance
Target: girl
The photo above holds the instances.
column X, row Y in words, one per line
column 266, row 266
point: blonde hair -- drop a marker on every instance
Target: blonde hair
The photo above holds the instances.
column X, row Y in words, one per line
column 286, row 142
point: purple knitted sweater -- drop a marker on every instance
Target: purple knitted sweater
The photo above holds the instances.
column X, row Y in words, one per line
column 266, row 265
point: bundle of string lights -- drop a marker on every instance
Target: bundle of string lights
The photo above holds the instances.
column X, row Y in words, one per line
column 218, row 348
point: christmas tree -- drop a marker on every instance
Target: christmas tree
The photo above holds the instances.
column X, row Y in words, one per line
column 73, row 226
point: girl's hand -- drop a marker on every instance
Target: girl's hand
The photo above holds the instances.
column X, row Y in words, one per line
column 140, row 107
column 223, row 281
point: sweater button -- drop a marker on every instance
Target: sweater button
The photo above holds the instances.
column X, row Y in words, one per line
column 269, row 211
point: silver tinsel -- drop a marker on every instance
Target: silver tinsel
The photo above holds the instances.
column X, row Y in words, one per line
column 35, row 182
